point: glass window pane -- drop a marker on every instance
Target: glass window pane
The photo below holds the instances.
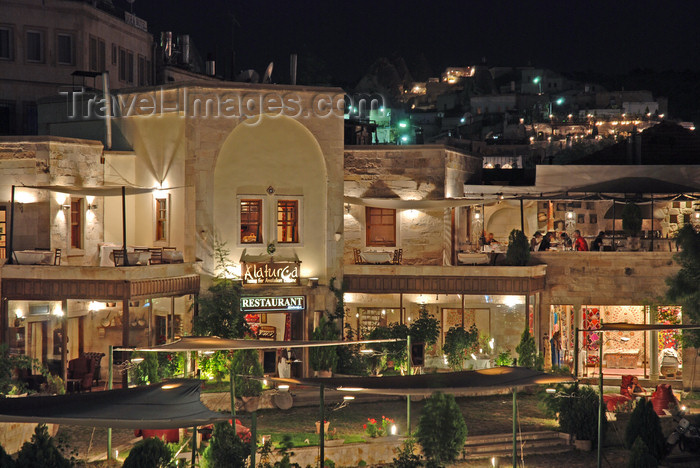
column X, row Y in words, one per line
column 65, row 49
column 288, row 221
column 5, row 43
column 35, row 51
column 251, row 221
column 381, row 227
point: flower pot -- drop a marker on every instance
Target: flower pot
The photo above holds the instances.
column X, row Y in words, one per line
column 251, row 403
column 325, row 373
column 325, row 427
column 583, row 445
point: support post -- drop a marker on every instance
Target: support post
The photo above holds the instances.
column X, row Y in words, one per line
column 64, row 340
column 10, row 240
column 322, row 426
column 253, row 437
column 408, row 397
column 515, row 428
column 600, row 403
column 126, row 257
column 110, row 378
column 522, row 217
column 614, row 219
column 576, row 352
column 233, row 396
column 194, row 446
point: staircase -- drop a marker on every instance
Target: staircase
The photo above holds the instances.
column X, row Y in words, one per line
column 501, row 445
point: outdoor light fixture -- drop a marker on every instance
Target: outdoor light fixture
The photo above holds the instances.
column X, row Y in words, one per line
column 65, row 207
column 92, row 206
column 137, row 360
column 283, row 387
column 625, row 339
column 169, row 386
column 551, row 390
column 473, row 356
column 208, row 352
column 348, row 397
column 347, row 208
column 350, row 389
column 570, row 215
column 366, row 351
column 393, row 429
column 383, row 311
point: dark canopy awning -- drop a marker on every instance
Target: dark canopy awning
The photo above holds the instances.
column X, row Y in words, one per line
column 214, row 343
column 463, row 383
column 171, row 404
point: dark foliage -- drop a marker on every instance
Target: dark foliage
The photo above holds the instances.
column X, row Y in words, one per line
column 441, row 429
column 518, row 253
column 148, row 453
column 645, row 424
column 406, row 458
column 640, row 456
column 41, row 451
column 458, row 342
column 324, row 357
column 219, row 311
column 226, row 449
column 426, row 329
column 247, row 362
column 578, row 411
column 631, row 219
column 683, row 286
column 527, row 350
column 6, row 461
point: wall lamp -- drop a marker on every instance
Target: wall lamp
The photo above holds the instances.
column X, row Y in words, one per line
column 65, row 207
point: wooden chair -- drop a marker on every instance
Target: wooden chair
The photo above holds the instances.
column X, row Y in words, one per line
column 156, row 256
column 398, row 257
column 57, row 257
column 97, row 357
column 83, row 370
column 356, row 255
column 118, row 255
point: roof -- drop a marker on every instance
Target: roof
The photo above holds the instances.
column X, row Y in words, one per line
column 463, row 383
column 170, row 404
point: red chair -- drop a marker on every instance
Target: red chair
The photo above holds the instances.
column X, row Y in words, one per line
column 663, row 398
column 612, row 401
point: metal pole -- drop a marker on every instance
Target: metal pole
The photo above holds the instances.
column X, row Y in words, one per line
column 110, row 373
column 600, row 402
column 576, row 353
column 10, row 249
column 194, row 445
column 233, row 396
column 652, row 231
column 408, row 397
column 522, row 217
column 253, row 437
column 126, row 257
column 613, row 236
column 322, row 426
column 515, row 428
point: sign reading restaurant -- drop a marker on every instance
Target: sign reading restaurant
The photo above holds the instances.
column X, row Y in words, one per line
column 272, row 303
column 270, row 272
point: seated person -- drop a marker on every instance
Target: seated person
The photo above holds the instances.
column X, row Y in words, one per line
column 535, row 241
column 597, row 245
column 546, row 242
column 580, row 244
column 565, row 241
column 634, row 386
column 488, row 239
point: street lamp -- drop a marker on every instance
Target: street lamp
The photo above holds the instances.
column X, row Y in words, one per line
column 538, row 81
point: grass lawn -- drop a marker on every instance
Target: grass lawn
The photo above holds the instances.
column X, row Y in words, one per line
column 483, row 415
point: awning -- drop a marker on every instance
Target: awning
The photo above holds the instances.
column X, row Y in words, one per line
column 170, row 404
column 463, row 383
column 101, row 191
column 399, row 204
column 214, row 343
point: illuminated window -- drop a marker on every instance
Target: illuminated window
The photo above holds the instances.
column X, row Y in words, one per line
column 76, row 223
column 288, row 221
column 251, row 222
column 161, row 219
column 381, row 227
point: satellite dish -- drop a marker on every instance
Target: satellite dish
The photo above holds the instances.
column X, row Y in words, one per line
column 248, row 76
column 268, row 73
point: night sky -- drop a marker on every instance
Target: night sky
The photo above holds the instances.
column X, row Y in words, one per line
column 614, row 36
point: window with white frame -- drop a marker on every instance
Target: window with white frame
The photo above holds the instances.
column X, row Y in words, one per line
column 7, row 45
column 34, row 46
column 287, row 221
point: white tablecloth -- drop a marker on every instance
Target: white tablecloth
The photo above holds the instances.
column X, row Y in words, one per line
column 473, row 258
column 35, row 257
column 377, row 257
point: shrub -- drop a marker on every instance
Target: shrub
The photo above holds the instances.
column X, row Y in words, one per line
column 441, row 429
column 149, row 453
column 578, row 412
column 644, row 424
column 527, row 350
column 406, row 458
column 324, row 357
column 640, row 456
column 226, row 448
column 426, row 329
column 247, row 362
column 458, row 342
column 504, row 359
column 6, row 461
column 518, row 253
column 631, row 219
column 41, row 451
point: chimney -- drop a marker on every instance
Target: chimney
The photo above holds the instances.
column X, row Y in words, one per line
column 210, row 66
column 293, row 69
column 166, row 43
column 185, row 49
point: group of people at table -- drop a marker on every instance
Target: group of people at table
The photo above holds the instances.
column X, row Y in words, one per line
column 577, row 242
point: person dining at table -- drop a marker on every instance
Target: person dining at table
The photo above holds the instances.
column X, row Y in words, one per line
column 580, row 244
column 535, row 241
column 565, row 241
column 597, row 244
column 488, row 238
column 634, row 388
column 546, row 242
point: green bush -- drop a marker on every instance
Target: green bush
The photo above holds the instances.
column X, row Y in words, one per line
column 426, row 329
column 324, row 357
column 644, row 424
column 406, row 458
column 41, row 451
column 441, row 429
column 6, row 461
column 149, row 453
column 226, row 449
column 518, row 253
column 458, row 342
column 640, row 456
column 631, row 219
column 578, row 412
column 527, row 350
column 247, row 362
column 504, row 359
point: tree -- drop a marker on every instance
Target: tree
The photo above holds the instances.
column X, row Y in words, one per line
column 247, row 362
column 644, row 424
column 631, row 219
column 226, row 448
column 527, row 350
column 149, row 453
column 41, row 451
column 518, row 253
column 458, row 342
column 6, row 461
column 683, row 286
column 426, row 329
column 324, row 357
column 441, row 429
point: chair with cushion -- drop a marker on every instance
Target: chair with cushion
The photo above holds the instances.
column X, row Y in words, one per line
column 663, row 398
column 118, row 255
column 97, row 357
column 83, row 370
column 398, row 257
column 613, row 400
column 357, row 257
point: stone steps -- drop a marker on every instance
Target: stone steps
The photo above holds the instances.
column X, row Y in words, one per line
column 501, row 445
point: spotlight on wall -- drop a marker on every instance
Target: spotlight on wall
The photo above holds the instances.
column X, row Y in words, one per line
column 65, row 207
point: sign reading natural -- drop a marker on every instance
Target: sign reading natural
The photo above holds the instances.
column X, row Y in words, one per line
column 273, row 303
column 265, row 273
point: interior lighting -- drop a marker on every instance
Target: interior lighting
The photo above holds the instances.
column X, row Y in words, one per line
column 283, row 387
column 350, row 389
column 137, row 360
column 511, row 301
column 393, row 429
column 348, row 397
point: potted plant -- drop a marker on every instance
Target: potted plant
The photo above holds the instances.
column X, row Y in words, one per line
column 518, row 253
column 324, row 359
column 458, row 342
column 246, row 362
column 425, row 330
column 578, row 415
column 632, row 224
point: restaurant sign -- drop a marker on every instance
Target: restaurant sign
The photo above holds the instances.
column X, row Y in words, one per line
column 272, row 303
column 270, row 273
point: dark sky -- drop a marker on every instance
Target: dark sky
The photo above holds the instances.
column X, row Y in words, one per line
column 613, row 36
